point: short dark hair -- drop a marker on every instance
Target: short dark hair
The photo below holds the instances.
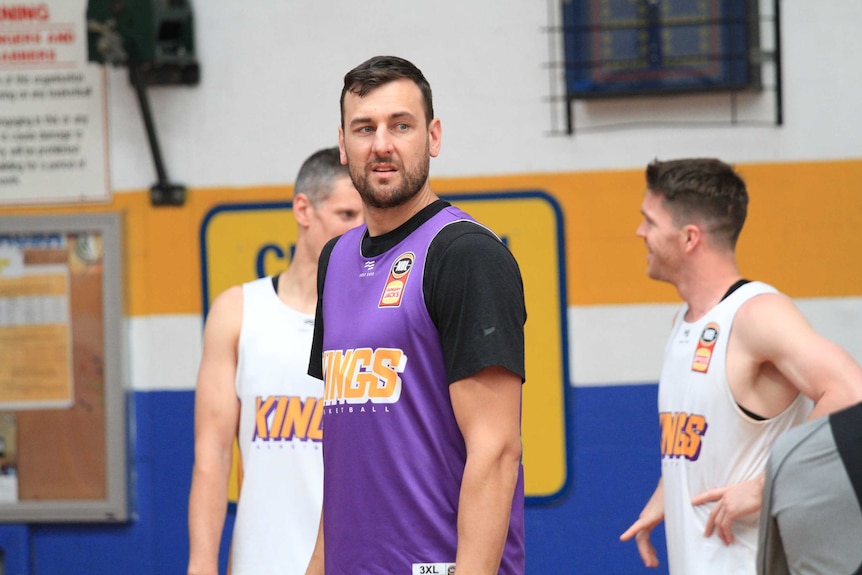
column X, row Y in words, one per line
column 703, row 189
column 381, row 70
column 317, row 176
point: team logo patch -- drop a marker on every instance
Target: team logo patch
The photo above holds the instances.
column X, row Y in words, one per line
column 703, row 353
column 398, row 275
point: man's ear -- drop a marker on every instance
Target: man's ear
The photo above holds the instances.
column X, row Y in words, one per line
column 693, row 236
column 302, row 207
column 342, row 153
column 435, row 137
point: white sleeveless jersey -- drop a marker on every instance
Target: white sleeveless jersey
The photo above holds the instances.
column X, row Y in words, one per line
column 279, row 436
column 707, row 441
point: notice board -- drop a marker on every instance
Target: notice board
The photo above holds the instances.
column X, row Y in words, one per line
column 63, row 430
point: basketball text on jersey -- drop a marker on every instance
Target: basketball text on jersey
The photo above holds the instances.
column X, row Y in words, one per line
column 282, row 418
column 681, row 434
column 356, row 376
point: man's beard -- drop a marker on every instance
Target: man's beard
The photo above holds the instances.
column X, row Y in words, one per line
column 411, row 184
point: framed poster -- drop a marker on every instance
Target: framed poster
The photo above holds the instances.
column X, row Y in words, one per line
column 63, row 417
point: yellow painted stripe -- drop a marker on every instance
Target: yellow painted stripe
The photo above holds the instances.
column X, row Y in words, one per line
column 161, row 254
column 804, row 233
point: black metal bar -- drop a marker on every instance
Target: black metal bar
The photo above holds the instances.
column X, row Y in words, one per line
column 733, row 107
column 162, row 192
column 553, row 75
column 141, row 90
column 779, row 92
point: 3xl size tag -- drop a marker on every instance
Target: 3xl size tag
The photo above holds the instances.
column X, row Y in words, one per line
column 433, row 569
column 705, row 347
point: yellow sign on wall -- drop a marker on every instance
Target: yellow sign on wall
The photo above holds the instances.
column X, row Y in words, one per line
column 241, row 242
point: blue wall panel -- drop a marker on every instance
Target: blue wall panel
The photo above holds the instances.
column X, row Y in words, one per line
column 615, row 466
column 614, row 439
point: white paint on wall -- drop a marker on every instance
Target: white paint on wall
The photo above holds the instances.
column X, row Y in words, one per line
column 272, row 73
column 617, row 344
column 624, row 344
column 165, row 351
column 608, row 344
column 837, row 319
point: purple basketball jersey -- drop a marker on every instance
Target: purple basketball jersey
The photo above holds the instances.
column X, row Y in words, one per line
column 393, row 453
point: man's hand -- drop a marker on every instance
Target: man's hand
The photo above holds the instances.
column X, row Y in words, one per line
column 650, row 517
column 732, row 502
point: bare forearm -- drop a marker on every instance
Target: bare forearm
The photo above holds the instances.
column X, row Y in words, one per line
column 836, row 400
column 484, row 509
column 207, row 510
column 316, row 564
column 217, row 411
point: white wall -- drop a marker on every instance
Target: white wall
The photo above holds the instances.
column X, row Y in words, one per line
column 272, row 73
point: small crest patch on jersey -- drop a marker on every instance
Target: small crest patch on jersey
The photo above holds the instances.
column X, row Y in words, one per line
column 703, row 353
column 395, row 284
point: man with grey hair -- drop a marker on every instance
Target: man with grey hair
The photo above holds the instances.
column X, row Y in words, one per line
column 252, row 387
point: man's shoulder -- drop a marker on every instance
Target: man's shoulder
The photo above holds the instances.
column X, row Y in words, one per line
column 763, row 304
column 754, row 288
column 467, row 238
column 228, row 299
column 466, row 227
column 223, row 321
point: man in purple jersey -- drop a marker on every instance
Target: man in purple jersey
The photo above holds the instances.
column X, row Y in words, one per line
column 419, row 338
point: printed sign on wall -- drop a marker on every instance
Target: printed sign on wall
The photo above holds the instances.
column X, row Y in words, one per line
column 53, row 115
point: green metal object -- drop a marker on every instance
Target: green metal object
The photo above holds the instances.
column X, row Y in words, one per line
column 156, row 37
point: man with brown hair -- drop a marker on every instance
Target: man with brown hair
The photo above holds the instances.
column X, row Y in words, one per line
column 740, row 368
column 420, row 342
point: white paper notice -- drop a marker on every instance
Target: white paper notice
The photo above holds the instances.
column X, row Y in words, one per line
column 53, row 115
column 35, row 333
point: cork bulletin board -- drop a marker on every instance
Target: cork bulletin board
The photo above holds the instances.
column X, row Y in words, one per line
column 63, row 429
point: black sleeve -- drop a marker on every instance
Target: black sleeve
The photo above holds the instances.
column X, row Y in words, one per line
column 475, row 296
column 315, row 360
